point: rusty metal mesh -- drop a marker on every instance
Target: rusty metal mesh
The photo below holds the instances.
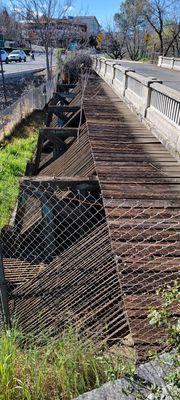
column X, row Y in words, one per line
column 70, row 256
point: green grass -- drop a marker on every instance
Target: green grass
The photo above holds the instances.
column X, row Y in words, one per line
column 14, row 155
column 60, row 369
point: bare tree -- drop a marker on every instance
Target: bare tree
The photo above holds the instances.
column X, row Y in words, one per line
column 162, row 16
column 43, row 18
column 8, row 24
column 115, row 43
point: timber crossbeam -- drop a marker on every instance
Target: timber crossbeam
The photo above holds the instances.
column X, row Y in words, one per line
column 61, row 109
column 59, row 132
column 64, row 86
column 62, row 183
column 65, row 95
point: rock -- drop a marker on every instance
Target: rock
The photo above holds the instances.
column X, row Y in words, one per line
column 137, row 387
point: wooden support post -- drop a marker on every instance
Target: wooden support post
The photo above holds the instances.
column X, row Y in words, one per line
column 23, row 198
column 59, row 147
column 48, row 118
column 4, row 293
column 62, row 121
column 83, row 194
column 60, row 99
column 30, row 169
column 74, row 120
column 38, row 151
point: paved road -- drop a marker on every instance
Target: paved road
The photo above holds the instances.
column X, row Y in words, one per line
column 29, row 65
column 169, row 78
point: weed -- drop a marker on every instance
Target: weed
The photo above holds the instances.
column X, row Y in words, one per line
column 14, row 154
column 61, row 369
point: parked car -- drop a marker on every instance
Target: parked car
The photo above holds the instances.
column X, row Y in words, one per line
column 17, row 55
column 4, row 56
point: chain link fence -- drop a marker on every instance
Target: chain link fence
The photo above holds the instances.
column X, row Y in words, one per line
column 66, row 257
column 72, row 255
column 35, row 99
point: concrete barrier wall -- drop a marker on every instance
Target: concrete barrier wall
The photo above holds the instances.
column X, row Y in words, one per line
column 35, row 99
column 154, row 102
column 169, row 62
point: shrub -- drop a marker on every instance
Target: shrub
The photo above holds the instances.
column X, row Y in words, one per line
column 76, row 64
column 163, row 318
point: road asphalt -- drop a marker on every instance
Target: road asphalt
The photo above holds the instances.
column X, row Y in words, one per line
column 170, row 78
column 21, row 67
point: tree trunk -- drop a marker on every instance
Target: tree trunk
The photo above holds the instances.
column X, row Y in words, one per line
column 47, row 63
column 161, row 44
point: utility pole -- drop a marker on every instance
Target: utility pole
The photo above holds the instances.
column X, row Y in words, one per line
column 3, row 80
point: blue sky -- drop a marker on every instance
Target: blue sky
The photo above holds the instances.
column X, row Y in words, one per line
column 102, row 9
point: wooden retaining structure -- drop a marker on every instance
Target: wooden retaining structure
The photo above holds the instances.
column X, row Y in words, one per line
column 94, row 163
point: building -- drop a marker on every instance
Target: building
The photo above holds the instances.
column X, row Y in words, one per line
column 93, row 26
column 60, row 31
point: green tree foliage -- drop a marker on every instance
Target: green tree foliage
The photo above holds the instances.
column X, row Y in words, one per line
column 130, row 21
column 160, row 18
column 164, row 18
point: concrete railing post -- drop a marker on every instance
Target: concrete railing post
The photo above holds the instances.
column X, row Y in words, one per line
column 102, row 61
column 146, row 94
column 172, row 63
column 160, row 61
column 120, row 84
column 105, row 68
column 125, row 80
column 94, row 61
column 96, row 67
column 112, row 64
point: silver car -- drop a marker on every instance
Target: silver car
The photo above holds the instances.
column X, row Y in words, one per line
column 17, row 55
